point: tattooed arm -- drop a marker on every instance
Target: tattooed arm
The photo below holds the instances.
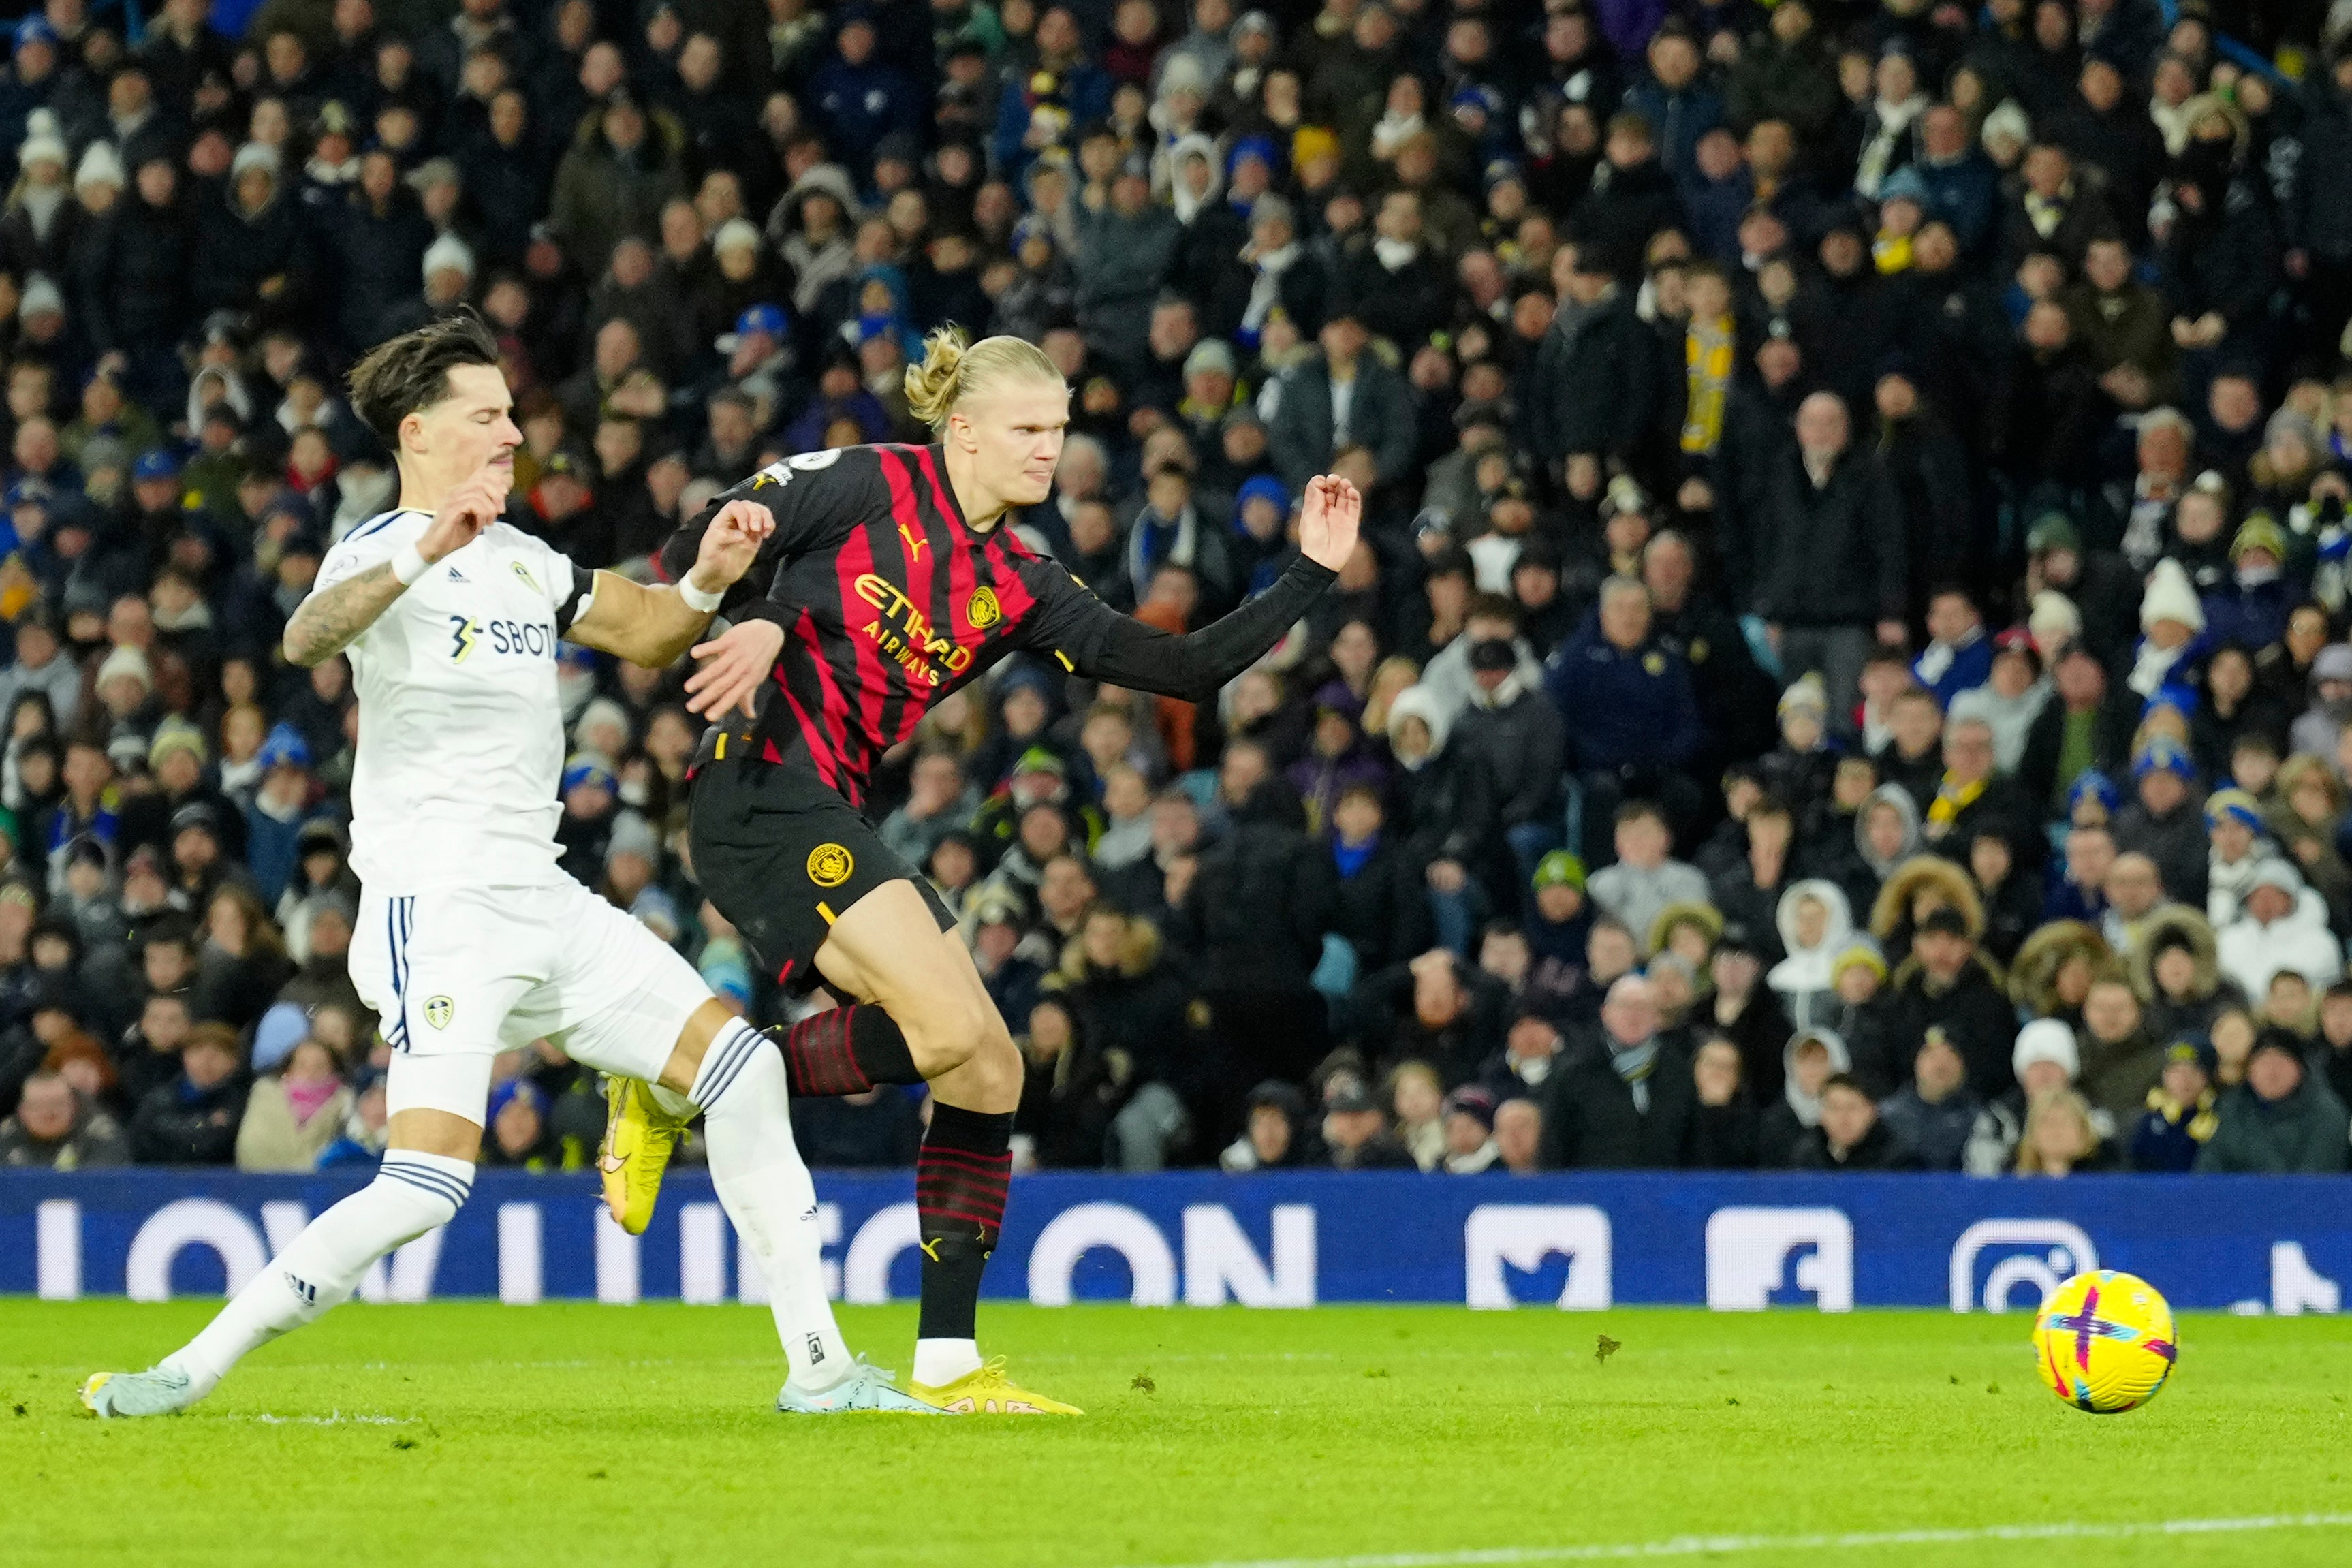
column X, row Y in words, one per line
column 334, row 616
column 327, row 621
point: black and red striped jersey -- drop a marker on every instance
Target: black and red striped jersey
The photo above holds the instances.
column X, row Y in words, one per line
column 889, row 600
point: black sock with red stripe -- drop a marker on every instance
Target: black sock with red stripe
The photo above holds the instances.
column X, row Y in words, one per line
column 961, row 1177
column 845, row 1050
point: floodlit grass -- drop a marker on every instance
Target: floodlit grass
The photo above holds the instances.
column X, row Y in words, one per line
column 606, row 1438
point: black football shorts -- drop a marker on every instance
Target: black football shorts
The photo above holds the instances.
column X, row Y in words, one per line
column 783, row 857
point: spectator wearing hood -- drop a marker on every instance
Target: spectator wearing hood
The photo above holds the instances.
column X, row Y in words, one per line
column 1260, row 540
column 1885, row 832
column 2282, row 926
column 1276, row 277
column 1815, row 923
column 1444, row 806
column 2166, row 822
column 1809, row 1059
column 2281, row 1121
column 2318, row 728
column 1275, row 1134
column 1947, row 982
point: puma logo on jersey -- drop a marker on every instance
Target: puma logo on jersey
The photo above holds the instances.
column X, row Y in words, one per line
column 914, row 542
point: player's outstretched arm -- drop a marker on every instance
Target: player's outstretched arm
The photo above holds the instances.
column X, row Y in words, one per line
column 333, row 617
column 654, row 626
column 1102, row 644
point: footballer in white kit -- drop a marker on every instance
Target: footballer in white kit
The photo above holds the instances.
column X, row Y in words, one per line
column 471, row 940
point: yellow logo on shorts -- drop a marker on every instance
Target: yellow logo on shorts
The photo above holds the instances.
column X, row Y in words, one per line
column 983, row 610
column 438, row 1011
column 829, row 865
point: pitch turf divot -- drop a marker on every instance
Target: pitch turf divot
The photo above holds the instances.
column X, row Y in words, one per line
column 1701, row 1545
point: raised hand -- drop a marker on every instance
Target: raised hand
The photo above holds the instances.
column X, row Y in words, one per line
column 733, row 667
column 732, row 545
column 477, row 503
column 1329, row 520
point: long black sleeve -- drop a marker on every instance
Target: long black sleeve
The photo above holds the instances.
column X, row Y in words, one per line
column 1102, row 644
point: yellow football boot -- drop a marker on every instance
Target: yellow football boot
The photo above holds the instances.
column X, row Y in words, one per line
column 639, row 1139
column 988, row 1390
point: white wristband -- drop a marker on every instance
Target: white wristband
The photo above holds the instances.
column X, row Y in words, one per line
column 408, row 565
column 698, row 601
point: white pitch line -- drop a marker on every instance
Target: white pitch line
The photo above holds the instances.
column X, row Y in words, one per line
column 1702, row 1545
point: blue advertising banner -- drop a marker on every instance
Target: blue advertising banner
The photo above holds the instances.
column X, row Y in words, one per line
column 1733, row 1242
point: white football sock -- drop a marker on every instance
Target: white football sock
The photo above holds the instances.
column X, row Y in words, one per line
column 412, row 1194
column 941, row 1361
column 767, row 1192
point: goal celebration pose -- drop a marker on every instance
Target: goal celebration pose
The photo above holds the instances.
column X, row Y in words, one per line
column 889, row 582
column 472, row 940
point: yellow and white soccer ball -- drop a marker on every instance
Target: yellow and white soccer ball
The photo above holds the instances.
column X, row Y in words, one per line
column 2103, row 1342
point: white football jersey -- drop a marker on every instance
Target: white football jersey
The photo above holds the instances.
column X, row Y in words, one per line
column 461, row 731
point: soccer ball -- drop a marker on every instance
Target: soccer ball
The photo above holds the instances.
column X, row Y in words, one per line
column 2102, row 1341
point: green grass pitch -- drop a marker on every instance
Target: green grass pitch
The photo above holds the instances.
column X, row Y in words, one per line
column 465, row 1433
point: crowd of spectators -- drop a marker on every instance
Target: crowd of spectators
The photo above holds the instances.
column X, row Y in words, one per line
column 1844, row 668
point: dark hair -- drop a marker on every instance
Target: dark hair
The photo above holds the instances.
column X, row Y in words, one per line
column 1844, row 1080
column 1492, row 607
column 412, row 370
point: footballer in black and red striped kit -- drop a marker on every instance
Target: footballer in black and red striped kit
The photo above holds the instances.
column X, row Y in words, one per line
column 889, row 600
column 887, row 582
